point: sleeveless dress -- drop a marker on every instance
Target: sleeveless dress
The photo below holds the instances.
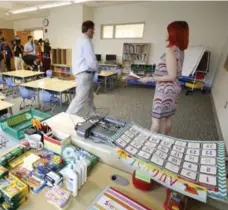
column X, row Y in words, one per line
column 164, row 103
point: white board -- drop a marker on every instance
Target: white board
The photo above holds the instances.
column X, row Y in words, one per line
column 192, row 58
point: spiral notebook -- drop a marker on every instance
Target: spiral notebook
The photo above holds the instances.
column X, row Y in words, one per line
column 111, row 198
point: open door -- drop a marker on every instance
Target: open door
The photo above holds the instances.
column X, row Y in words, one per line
column 23, row 36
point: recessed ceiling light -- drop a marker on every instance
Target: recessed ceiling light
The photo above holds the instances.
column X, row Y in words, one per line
column 28, row 9
column 59, row 4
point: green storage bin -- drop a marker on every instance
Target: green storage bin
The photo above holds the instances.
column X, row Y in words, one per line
column 16, row 124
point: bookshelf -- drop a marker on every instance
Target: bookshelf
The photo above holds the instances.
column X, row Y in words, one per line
column 135, row 53
column 61, row 63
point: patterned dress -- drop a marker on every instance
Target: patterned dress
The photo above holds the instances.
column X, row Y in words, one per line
column 164, row 104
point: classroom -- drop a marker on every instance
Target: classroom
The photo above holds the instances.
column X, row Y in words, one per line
column 113, row 105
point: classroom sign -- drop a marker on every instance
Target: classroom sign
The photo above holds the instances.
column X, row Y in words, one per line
column 193, row 168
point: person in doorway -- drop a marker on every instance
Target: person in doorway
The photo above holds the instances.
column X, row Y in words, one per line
column 46, row 60
column 84, row 67
column 18, row 54
column 30, row 48
column 8, row 55
column 167, row 72
column 1, row 52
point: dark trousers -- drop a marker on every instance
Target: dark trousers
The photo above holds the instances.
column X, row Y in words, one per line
column 8, row 64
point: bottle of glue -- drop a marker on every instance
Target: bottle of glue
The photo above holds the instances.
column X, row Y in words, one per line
column 72, row 181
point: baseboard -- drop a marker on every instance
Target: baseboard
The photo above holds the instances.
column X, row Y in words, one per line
column 217, row 124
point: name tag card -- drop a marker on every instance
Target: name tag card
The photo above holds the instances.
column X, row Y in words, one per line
column 130, row 134
column 144, row 155
column 150, row 144
column 188, row 174
column 209, row 153
column 136, row 145
column 172, row 167
column 193, row 159
column 174, row 160
column 154, row 140
column 121, row 142
column 131, row 150
column 194, row 145
column 126, row 138
column 209, row 146
column 207, row 179
column 208, row 170
column 177, row 154
column 208, row 161
column 156, row 159
column 163, row 148
column 193, row 152
column 190, row 166
column 166, row 143
column 178, row 148
column 180, row 143
column 161, row 154
column 148, row 149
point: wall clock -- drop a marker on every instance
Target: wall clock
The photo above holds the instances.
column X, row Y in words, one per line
column 45, row 22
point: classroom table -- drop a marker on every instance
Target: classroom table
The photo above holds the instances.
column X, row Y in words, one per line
column 108, row 75
column 105, row 153
column 51, row 84
column 6, row 105
column 22, row 74
column 2, row 97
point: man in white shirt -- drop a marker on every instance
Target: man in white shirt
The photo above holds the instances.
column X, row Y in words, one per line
column 84, row 67
column 29, row 47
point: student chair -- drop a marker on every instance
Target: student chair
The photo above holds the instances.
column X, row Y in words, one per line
column 49, row 73
column 2, row 83
column 27, row 94
column 48, row 98
column 11, row 86
column 97, row 83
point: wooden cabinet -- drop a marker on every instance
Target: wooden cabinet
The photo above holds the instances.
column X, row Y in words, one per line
column 23, row 36
column 8, row 34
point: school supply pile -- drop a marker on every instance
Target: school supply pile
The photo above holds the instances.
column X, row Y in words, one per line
column 13, row 192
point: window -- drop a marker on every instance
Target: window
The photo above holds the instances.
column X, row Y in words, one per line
column 107, row 32
column 117, row 31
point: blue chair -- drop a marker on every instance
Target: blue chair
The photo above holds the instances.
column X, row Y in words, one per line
column 49, row 73
column 11, row 86
column 97, row 83
column 27, row 94
column 2, row 82
column 49, row 98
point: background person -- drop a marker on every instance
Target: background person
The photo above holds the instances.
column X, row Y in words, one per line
column 18, row 54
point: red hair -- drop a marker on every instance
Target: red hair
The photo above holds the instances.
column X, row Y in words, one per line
column 178, row 33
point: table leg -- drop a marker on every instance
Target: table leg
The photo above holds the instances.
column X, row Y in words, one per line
column 38, row 98
column 60, row 100
column 105, row 90
column 10, row 111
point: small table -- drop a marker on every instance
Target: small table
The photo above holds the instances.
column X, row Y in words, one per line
column 108, row 75
column 51, row 84
column 2, row 97
column 22, row 74
column 6, row 105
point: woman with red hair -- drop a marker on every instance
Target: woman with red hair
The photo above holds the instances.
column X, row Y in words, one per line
column 167, row 72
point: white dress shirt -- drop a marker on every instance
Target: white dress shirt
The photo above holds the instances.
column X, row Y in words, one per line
column 84, row 58
column 30, row 48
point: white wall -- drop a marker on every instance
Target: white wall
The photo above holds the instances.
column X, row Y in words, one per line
column 207, row 21
column 6, row 24
column 65, row 25
column 87, row 13
column 24, row 24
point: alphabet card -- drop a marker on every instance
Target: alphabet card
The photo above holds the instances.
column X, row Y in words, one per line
column 200, row 162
